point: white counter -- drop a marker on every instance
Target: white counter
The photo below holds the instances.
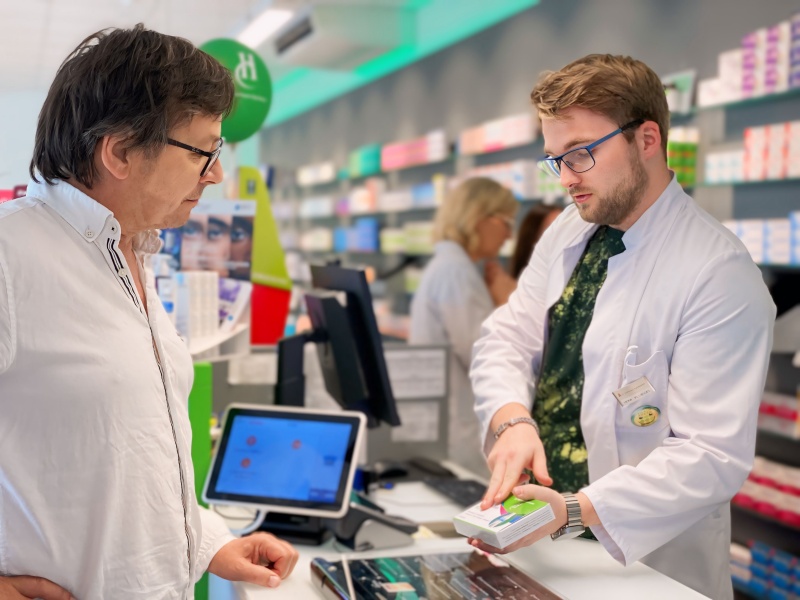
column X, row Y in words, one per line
column 576, row 569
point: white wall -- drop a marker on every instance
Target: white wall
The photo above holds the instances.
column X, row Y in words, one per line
column 18, row 114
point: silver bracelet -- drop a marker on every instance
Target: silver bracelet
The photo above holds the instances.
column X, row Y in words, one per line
column 515, row 421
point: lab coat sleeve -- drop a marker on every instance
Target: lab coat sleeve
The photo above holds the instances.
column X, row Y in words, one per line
column 508, row 352
column 717, row 376
column 8, row 330
column 215, row 534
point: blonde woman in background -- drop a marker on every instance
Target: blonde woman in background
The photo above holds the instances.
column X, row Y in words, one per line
column 455, row 296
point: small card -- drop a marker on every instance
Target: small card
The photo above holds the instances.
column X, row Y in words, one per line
column 635, row 390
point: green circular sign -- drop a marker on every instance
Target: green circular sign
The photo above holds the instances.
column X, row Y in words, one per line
column 253, row 87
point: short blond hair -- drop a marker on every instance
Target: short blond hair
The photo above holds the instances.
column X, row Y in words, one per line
column 466, row 205
column 619, row 87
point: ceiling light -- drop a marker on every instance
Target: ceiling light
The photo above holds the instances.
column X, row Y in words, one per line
column 264, row 26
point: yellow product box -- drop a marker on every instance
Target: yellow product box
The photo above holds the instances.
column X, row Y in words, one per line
column 503, row 524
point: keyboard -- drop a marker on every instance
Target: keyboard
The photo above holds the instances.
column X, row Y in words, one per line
column 464, row 492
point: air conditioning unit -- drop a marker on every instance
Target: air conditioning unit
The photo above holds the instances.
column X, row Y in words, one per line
column 341, row 37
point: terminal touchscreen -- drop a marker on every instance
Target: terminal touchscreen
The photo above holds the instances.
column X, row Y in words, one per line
column 286, row 460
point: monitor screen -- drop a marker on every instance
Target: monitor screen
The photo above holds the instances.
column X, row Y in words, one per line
column 285, row 460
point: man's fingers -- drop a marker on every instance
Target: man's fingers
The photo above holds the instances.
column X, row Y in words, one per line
column 281, row 555
column 258, row 574
column 39, row 587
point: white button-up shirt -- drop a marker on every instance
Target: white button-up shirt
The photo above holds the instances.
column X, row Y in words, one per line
column 97, row 488
column 685, row 307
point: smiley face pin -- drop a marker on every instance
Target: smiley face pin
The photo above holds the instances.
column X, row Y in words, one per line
column 645, row 416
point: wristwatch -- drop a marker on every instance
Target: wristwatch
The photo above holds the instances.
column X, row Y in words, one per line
column 574, row 526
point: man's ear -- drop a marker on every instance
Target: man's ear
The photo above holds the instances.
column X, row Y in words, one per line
column 113, row 155
column 649, row 139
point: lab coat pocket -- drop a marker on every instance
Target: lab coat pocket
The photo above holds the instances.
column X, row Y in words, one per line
column 643, row 422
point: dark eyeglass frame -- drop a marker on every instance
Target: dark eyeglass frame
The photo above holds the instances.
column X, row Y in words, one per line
column 552, row 164
column 211, row 156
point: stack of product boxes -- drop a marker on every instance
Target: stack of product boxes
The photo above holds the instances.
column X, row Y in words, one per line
column 520, row 176
column 772, row 489
column 770, row 241
column 768, row 62
column 762, row 571
column 197, row 304
column 682, row 154
column 772, row 151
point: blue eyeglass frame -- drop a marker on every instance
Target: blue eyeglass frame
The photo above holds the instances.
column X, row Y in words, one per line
column 553, row 163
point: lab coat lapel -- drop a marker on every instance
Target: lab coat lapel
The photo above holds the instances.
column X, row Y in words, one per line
column 612, row 331
column 562, row 269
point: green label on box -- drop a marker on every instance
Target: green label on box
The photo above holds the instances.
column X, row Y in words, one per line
column 522, row 507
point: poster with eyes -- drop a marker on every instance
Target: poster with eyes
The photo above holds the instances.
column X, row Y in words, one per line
column 217, row 237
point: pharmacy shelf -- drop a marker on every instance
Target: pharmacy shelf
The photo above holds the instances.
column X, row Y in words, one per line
column 753, row 101
column 749, row 182
column 200, row 345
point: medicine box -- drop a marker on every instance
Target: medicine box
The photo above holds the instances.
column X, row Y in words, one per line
column 503, row 524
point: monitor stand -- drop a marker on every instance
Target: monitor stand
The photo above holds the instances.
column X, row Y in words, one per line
column 296, row 529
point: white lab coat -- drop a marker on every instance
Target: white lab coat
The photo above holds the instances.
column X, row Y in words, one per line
column 685, row 306
column 448, row 308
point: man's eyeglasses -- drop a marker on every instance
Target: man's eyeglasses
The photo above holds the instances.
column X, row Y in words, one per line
column 211, row 156
column 580, row 159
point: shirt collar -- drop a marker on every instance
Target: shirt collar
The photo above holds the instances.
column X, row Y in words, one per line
column 84, row 214
column 654, row 218
column 87, row 216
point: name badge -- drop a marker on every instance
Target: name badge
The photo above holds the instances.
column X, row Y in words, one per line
column 635, row 390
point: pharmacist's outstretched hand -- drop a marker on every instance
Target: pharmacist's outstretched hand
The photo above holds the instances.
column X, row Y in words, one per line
column 24, row 587
column 518, row 448
column 530, row 492
column 260, row 558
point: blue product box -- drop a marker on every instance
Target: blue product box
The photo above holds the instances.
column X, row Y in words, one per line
column 340, row 239
column 760, row 569
column 366, row 235
column 762, row 552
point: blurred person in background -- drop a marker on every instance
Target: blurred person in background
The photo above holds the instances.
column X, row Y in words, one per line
column 530, row 232
column 454, row 298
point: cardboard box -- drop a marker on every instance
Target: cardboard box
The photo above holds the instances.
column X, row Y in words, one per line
column 502, row 525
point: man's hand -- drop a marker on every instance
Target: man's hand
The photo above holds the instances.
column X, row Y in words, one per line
column 529, row 492
column 518, row 448
column 24, row 587
column 260, row 558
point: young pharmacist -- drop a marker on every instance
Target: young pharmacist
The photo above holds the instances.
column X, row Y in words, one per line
column 646, row 328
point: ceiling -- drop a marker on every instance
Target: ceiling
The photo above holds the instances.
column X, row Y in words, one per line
column 38, row 34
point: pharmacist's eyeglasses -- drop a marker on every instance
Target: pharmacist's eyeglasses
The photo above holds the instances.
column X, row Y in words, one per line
column 211, row 156
column 580, row 159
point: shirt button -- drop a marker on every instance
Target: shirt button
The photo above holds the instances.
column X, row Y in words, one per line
column 89, row 233
column 114, row 228
column 122, row 272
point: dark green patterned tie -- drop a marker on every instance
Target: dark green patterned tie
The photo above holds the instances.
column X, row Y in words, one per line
column 557, row 404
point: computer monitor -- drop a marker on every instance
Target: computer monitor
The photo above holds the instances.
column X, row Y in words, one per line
column 348, row 345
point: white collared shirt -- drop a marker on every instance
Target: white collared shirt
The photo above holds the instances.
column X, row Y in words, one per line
column 97, row 489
